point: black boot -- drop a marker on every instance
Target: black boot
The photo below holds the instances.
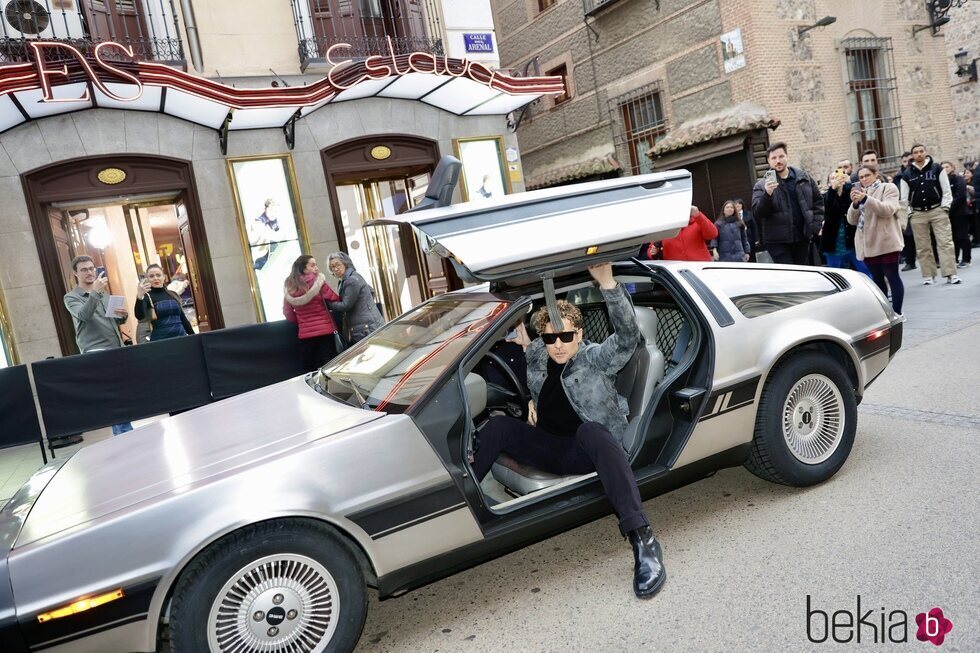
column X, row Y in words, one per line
column 648, row 570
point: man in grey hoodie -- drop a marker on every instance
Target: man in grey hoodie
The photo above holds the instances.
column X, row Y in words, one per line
column 577, row 419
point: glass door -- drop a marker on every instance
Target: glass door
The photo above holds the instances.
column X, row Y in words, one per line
column 378, row 252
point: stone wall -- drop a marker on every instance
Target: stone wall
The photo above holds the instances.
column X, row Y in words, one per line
column 801, row 80
column 963, row 31
column 106, row 131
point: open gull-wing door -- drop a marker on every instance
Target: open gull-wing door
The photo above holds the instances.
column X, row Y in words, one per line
column 553, row 231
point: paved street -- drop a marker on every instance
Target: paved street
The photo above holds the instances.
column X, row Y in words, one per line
column 897, row 526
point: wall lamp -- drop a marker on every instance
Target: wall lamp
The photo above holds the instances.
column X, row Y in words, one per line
column 823, row 22
column 964, row 67
column 934, row 26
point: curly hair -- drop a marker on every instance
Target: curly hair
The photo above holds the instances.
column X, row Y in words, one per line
column 540, row 320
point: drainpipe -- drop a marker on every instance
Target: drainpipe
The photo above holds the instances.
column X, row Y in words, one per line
column 193, row 42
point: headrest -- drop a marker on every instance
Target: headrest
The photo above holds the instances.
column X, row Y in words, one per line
column 442, row 184
column 646, row 319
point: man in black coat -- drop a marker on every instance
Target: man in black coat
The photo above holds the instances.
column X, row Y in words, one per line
column 788, row 208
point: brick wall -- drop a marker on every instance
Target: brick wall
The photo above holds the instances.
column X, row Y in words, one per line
column 801, row 80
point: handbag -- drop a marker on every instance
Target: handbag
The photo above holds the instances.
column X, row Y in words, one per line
column 339, row 343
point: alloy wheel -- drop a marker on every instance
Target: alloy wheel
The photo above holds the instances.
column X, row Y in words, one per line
column 813, row 419
column 277, row 604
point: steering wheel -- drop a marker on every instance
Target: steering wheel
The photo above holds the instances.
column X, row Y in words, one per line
column 517, row 398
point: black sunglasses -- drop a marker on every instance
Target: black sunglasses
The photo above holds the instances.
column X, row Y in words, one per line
column 552, row 338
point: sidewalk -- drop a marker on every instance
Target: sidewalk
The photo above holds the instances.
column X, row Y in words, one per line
column 939, row 309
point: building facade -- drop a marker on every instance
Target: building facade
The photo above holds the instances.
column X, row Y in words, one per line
column 225, row 193
column 962, row 35
column 702, row 84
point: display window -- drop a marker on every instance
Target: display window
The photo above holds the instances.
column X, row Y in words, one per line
column 483, row 176
column 271, row 225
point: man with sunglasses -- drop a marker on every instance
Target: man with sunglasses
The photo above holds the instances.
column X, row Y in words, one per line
column 577, row 419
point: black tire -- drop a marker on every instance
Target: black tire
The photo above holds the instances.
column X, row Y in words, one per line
column 279, row 547
column 795, row 456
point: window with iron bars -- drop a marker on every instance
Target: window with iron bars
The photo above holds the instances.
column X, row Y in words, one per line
column 150, row 28
column 638, row 121
column 364, row 24
column 872, row 99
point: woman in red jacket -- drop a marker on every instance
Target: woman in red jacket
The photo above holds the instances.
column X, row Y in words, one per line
column 305, row 291
column 689, row 244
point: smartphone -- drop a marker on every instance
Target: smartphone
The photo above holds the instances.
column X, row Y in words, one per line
column 511, row 335
column 839, row 172
column 99, row 271
column 770, row 175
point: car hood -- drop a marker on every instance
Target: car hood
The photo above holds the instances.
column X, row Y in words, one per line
column 186, row 449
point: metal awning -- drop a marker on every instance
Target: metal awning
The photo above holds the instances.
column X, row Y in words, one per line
column 69, row 80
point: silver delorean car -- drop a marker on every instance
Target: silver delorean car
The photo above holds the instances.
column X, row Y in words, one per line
column 258, row 523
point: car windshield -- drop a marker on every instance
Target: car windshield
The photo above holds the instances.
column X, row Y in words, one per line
column 394, row 366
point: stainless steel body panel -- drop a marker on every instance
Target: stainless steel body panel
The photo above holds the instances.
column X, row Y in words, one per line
column 326, row 479
column 554, row 228
column 183, row 450
column 752, row 346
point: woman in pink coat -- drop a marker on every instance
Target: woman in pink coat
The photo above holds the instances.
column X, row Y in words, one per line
column 306, row 292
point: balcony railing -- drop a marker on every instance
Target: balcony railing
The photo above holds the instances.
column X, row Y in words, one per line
column 149, row 27
column 592, row 7
column 366, row 25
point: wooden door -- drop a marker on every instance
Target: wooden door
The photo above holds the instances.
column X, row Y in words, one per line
column 333, row 21
column 201, row 303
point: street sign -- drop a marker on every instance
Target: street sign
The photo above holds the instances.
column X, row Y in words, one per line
column 479, row 42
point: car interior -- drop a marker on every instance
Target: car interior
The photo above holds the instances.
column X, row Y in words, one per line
column 666, row 340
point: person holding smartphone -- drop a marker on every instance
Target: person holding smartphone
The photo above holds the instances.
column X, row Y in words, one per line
column 162, row 306
column 788, row 208
column 88, row 303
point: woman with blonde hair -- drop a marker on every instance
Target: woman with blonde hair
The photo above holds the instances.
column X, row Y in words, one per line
column 305, row 292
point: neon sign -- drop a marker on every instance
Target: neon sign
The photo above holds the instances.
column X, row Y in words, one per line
column 45, row 73
column 98, row 69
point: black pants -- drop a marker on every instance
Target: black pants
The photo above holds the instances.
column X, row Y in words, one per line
column 882, row 271
column 908, row 254
column 592, row 449
column 790, row 253
column 960, row 224
column 316, row 351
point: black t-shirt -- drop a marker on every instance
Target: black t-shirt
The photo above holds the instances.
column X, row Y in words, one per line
column 555, row 413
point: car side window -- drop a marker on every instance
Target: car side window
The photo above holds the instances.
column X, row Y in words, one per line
column 758, row 292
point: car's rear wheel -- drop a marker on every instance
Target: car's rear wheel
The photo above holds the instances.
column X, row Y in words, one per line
column 806, row 421
column 272, row 587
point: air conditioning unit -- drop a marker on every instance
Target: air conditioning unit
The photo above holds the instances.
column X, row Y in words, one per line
column 29, row 19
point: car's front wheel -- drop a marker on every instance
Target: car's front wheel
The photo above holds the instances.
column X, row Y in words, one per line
column 806, row 422
column 272, row 587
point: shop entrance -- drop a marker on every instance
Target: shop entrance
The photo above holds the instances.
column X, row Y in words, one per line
column 124, row 232
column 124, row 236
column 388, row 256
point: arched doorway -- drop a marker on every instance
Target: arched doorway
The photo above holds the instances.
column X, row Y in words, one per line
column 126, row 212
column 381, row 176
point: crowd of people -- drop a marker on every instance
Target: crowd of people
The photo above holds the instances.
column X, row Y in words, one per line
column 924, row 216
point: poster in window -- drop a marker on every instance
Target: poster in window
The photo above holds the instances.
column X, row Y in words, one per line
column 273, row 233
column 732, row 50
column 483, row 176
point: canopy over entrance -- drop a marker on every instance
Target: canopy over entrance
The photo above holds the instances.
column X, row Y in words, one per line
column 62, row 79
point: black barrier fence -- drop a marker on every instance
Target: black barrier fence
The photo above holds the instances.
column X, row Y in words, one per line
column 90, row 391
